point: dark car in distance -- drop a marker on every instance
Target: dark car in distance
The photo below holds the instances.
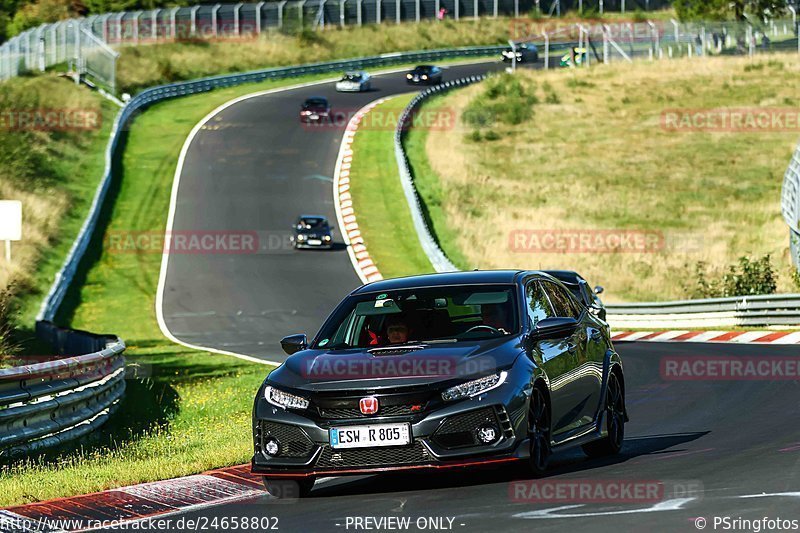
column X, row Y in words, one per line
column 312, row 231
column 449, row 370
column 579, row 288
column 315, row 109
column 525, row 53
column 425, row 75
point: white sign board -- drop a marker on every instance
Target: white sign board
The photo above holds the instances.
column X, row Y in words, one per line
column 10, row 220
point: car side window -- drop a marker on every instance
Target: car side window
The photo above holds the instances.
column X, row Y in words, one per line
column 562, row 303
column 537, row 304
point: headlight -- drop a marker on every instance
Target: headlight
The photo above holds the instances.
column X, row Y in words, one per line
column 301, row 237
column 424, row 76
column 408, row 76
column 326, row 238
column 284, row 399
column 474, row 387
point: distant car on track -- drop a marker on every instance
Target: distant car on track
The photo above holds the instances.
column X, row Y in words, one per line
column 581, row 290
column 425, row 75
column 525, row 52
column 312, row 231
column 354, row 81
column 440, row 371
column 315, row 109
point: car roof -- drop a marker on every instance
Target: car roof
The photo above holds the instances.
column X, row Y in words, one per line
column 354, row 73
column 468, row 277
column 311, row 216
column 316, row 98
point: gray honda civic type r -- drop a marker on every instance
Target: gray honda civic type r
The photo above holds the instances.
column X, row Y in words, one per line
column 453, row 370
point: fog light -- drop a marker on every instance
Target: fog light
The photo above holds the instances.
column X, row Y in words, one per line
column 272, row 447
column 487, row 434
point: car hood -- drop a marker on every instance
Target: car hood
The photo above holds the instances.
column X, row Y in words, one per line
column 323, row 370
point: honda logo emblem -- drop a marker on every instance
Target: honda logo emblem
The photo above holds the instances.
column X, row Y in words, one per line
column 368, row 406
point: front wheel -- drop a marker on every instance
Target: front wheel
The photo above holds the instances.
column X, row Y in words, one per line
column 614, row 413
column 289, row 488
column 538, row 433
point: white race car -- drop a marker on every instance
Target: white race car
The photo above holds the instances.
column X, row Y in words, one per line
column 354, row 81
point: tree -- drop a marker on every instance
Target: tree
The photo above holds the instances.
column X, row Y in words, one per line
column 727, row 9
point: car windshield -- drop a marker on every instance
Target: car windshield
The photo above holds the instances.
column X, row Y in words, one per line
column 351, row 77
column 434, row 314
column 425, row 69
column 311, row 223
column 316, row 102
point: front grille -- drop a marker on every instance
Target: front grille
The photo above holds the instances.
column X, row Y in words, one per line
column 293, row 441
column 460, row 430
column 348, row 412
column 396, row 402
column 366, row 457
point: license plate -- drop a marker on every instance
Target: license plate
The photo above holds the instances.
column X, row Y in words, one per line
column 314, row 242
column 370, row 436
column 314, row 117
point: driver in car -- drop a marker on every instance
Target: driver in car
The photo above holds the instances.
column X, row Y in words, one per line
column 396, row 330
column 495, row 316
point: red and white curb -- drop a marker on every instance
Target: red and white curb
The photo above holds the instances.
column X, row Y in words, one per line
column 741, row 337
column 364, row 266
column 126, row 505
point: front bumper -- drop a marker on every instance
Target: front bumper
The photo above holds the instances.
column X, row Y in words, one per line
column 440, row 438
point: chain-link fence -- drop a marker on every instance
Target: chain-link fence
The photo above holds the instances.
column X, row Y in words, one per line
column 78, row 43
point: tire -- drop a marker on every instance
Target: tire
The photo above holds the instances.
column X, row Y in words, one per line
column 538, row 433
column 614, row 413
column 289, row 488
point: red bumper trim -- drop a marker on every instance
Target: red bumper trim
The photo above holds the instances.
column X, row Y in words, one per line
column 374, row 470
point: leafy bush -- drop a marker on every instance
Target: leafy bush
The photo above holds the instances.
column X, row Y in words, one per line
column 491, row 135
column 747, row 277
column 504, row 99
column 796, row 277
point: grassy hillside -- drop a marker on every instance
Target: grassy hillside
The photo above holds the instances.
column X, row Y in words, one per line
column 590, row 151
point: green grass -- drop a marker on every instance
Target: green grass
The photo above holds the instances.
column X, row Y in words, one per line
column 383, row 214
column 186, row 411
column 54, row 174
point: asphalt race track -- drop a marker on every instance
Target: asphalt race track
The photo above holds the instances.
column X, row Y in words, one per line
column 720, row 448
column 709, row 442
column 254, row 168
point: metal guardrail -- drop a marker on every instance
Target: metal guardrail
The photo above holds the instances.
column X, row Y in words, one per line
column 152, row 95
column 47, row 403
column 761, row 310
column 429, row 245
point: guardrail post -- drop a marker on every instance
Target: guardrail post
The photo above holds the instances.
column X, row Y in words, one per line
column 280, row 13
column 193, row 20
column 397, row 11
column 475, row 9
column 516, row 8
column 154, row 28
column 457, row 8
column 605, row 45
column 416, row 9
column 623, row 6
column 547, row 49
column 302, row 7
column 437, row 8
column 495, row 10
column 236, row 10
column 601, row 7
column 214, row 11
column 358, row 11
column 378, row 11
column 105, row 27
column 259, row 8
column 341, row 13
column 172, row 22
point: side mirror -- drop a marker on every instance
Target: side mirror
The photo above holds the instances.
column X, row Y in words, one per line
column 555, row 328
column 598, row 289
column 294, row 343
